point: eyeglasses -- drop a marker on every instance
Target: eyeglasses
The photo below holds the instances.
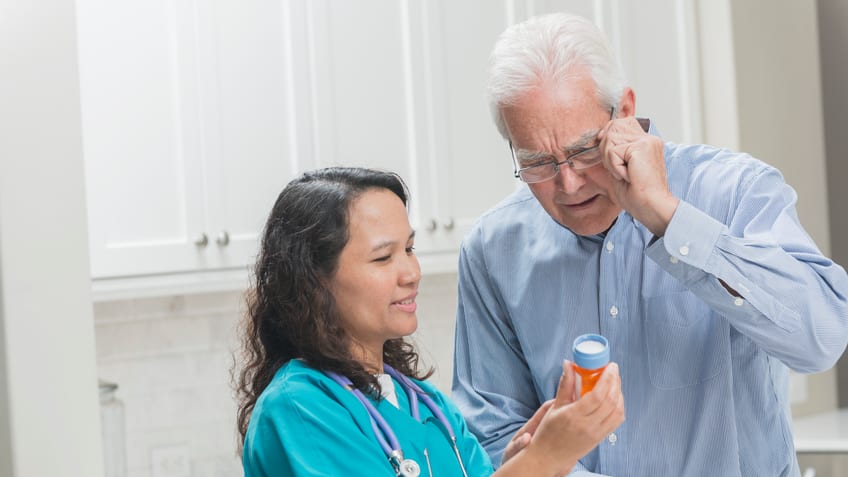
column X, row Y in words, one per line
column 547, row 170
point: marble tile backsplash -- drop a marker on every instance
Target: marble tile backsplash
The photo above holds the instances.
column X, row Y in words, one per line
column 171, row 358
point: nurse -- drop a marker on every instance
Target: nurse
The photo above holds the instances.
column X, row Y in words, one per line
column 330, row 386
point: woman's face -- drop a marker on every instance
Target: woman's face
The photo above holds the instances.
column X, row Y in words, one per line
column 376, row 281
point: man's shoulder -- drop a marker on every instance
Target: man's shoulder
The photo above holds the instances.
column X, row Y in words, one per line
column 507, row 216
column 700, row 157
column 692, row 167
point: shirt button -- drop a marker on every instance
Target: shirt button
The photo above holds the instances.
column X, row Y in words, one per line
column 738, row 301
column 684, row 250
column 612, row 438
column 610, row 246
column 673, row 259
column 614, row 310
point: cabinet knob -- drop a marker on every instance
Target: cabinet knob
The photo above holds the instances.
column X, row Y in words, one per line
column 201, row 241
column 223, row 239
column 432, row 225
column 449, row 224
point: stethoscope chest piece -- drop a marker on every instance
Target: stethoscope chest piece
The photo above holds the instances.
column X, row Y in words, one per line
column 409, row 468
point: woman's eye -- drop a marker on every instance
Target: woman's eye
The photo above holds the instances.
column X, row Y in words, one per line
column 410, row 250
column 383, row 259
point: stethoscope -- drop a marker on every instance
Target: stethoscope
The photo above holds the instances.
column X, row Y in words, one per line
column 387, row 438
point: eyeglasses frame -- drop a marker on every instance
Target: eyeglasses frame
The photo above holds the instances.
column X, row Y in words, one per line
column 568, row 160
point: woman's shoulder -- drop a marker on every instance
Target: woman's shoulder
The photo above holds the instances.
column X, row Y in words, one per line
column 295, row 382
column 427, row 387
column 441, row 398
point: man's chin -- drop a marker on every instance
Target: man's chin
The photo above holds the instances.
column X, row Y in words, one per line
column 586, row 228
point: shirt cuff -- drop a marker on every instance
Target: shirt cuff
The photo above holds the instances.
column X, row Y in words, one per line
column 691, row 236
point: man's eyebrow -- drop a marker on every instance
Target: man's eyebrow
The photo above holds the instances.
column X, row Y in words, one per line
column 523, row 155
column 586, row 141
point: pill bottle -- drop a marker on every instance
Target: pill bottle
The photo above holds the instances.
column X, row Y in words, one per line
column 591, row 356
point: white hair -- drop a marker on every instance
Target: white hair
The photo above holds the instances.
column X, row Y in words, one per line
column 546, row 49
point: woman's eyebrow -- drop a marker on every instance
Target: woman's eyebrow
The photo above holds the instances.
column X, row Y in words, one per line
column 389, row 243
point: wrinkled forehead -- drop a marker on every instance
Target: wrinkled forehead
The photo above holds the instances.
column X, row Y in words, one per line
column 583, row 142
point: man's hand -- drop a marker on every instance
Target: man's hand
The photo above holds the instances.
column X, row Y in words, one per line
column 636, row 162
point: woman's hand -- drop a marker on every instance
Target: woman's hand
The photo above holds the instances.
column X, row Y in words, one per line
column 524, row 435
column 564, row 430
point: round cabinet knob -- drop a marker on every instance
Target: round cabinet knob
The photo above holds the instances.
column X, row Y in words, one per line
column 449, row 225
column 223, row 239
column 201, row 241
column 432, row 225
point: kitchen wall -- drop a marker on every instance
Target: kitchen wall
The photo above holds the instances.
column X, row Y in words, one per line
column 833, row 38
column 754, row 103
column 48, row 399
column 171, row 358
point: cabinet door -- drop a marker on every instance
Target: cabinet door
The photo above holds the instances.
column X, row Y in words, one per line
column 247, row 94
column 470, row 167
column 141, row 136
column 187, row 131
column 399, row 86
column 365, row 73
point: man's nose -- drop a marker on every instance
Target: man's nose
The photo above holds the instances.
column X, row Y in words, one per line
column 569, row 179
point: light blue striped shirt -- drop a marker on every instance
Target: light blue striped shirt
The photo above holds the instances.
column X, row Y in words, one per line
column 704, row 374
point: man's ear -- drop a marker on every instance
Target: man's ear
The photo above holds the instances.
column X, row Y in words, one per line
column 627, row 104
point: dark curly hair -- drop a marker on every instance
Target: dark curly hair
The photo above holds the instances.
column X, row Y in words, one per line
column 290, row 309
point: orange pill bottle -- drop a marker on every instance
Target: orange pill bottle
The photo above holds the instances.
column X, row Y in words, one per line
column 591, row 356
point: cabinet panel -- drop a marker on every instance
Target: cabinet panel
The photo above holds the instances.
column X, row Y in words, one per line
column 141, row 140
column 360, row 87
column 661, row 63
column 187, row 130
column 472, row 168
column 248, row 123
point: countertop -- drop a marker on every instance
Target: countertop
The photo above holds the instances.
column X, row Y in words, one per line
column 825, row 432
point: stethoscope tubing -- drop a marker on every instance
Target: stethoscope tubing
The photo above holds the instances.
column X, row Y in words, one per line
column 414, row 391
column 382, row 430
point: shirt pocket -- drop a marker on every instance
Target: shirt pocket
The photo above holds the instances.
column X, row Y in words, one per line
column 686, row 343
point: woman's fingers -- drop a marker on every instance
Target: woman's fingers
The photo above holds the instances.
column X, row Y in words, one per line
column 565, row 391
column 605, row 394
column 515, row 445
column 524, row 435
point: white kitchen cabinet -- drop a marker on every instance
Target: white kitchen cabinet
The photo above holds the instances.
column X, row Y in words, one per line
column 196, row 114
column 186, row 131
column 400, row 85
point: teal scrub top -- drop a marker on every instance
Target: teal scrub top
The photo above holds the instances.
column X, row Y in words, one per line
column 304, row 423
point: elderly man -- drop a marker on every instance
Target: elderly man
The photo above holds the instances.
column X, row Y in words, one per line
column 690, row 259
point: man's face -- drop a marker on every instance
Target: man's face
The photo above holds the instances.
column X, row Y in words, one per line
column 557, row 121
